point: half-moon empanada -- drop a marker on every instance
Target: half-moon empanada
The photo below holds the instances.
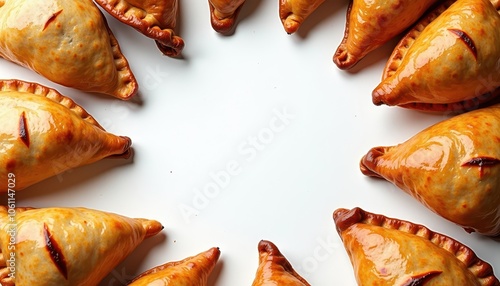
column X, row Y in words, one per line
column 451, row 65
column 388, row 251
column 193, row 270
column 44, row 133
column 452, row 167
column 370, row 24
column 224, row 13
column 274, row 268
column 155, row 19
column 68, row 42
column 66, row 246
column 294, row 12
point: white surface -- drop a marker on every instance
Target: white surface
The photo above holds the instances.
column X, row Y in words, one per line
column 196, row 122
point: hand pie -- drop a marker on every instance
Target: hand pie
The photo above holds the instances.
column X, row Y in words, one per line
column 223, row 14
column 370, row 24
column 193, row 270
column 274, row 268
column 68, row 42
column 44, row 133
column 388, row 251
column 155, row 19
column 452, row 167
column 294, row 12
column 66, row 246
column 450, row 65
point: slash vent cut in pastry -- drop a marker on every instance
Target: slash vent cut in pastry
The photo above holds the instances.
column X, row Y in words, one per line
column 224, row 13
column 66, row 246
column 452, row 167
column 450, row 65
column 155, row 19
column 294, row 12
column 388, row 251
column 68, row 42
column 193, row 270
column 44, row 133
column 274, row 268
column 370, row 24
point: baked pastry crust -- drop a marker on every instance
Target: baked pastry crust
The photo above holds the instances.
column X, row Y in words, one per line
column 294, row 12
column 389, row 251
column 68, row 42
column 370, row 24
column 44, row 133
column 155, row 19
column 274, row 268
column 452, row 167
column 224, row 13
column 66, row 246
column 193, row 270
column 446, row 62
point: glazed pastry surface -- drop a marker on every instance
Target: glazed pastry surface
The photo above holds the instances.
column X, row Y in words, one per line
column 224, row 13
column 387, row 251
column 294, row 12
column 68, row 42
column 451, row 63
column 452, row 167
column 155, row 19
column 193, row 270
column 370, row 24
column 68, row 246
column 274, row 268
column 44, row 133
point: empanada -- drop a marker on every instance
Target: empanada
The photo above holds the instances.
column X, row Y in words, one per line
column 68, row 42
column 452, row 167
column 388, row 251
column 66, row 246
column 294, row 12
column 274, row 268
column 193, row 270
column 370, row 24
column 44, row 133
column 451, row 65
column 224, row 13
column 155, row 19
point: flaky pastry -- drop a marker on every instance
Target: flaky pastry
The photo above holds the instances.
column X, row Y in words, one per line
column 452, row 167
column 370, row 24
column 224, row 13
column 294, row 12
column 388, row 251
column 193, row 270
column 44, row 133
column 274, row 268
column 66, row 246
column 155, row 19
column 447, row 62
column 68, row 42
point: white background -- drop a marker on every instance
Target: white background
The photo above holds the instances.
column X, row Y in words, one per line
column 197, row 118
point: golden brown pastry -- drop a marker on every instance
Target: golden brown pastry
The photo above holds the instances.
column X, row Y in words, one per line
column 155, row 19
column 451, row 65
column 294, row 12
column 388, row 251
column 274, row 268
column 68, row 42
column 44, row 133
column 452, row 167
column 370, row 24
column 193, row 270
column 224, row 13
column 66, row 246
